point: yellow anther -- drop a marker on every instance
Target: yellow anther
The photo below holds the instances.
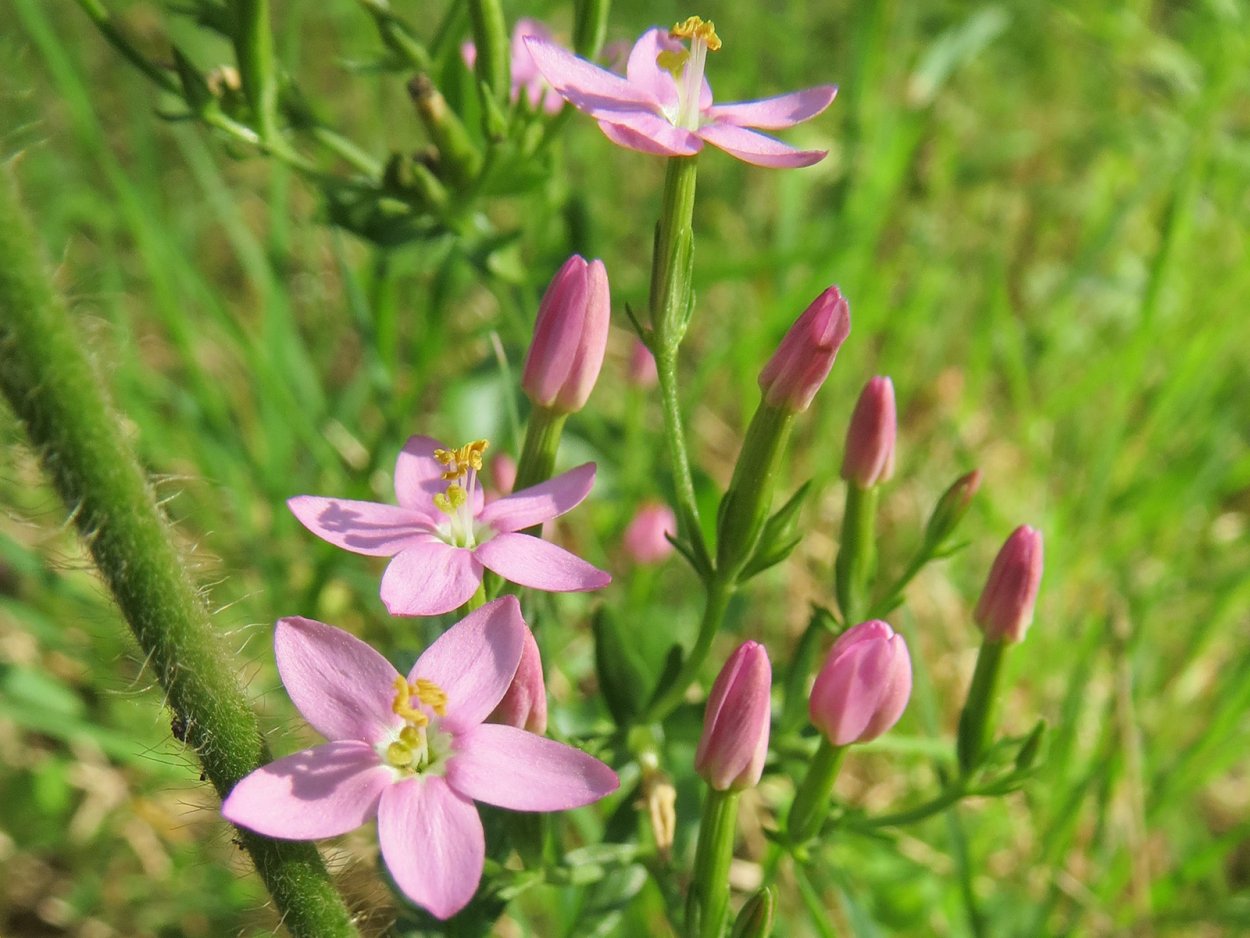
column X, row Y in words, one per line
column 460, row 461
column 673, row 60
column 696, row 28
column 454, row 497
column 432, row 696
column 402, row 707
column 411, row 736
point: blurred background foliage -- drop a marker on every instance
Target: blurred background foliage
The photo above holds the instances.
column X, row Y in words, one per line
column 1038, row 213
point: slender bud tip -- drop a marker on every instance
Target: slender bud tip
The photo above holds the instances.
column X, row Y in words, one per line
column 734, row 744
column 805, row 356
column 1005, row 609
column 869, row 456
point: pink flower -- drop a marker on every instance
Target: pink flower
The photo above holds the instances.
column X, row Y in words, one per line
column 863, row 686
column 664, row 104
column 805, row 356
column 869, row 456
column 645, row 540
column 570, row 337
column 1005, row 609
column 411, row 751
column 525, row 78
column 642, row 368
column 524, row 704
column 442, row 534
column 734, row 743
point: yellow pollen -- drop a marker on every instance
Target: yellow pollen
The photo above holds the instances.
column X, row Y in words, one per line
column 696, row 28
column 432, row 696
column 448, row 502
column 460, row 461
column 398, row 755
column 402, row 707
column 673, row 60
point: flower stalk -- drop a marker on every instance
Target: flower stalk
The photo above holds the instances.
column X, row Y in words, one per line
column 253, row 49
column 53, row 389
column 490, row 36
column 976, row 721
column 542, row 444
column 744, row 509
column 708, row 903
column 857, row 557
column 811, row 801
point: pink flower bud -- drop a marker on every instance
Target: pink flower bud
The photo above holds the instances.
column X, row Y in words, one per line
column 569, row 338
column 734, row 744
column 802, row 361
column 1005, row 609
column 502, row 474
column 645, row 540
column 869, row 456
column 863, row 687
column 642, row 372
column 524, row 704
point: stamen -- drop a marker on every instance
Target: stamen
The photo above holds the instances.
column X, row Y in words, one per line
column 460, row 461
column 401, row 705
column 697, row 29
column 432, row 696
column 450, row 501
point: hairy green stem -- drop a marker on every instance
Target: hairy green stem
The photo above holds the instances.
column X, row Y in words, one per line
column 51, row 385
column 976, row 722
column 707, row 905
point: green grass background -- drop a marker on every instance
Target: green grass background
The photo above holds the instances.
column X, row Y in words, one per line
column 1038, row 213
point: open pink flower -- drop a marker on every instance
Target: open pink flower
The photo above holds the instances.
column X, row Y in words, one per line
column 664, row 104
column 442, row 533
column 412, row 751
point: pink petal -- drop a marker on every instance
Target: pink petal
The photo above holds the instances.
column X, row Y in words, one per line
column 342, row 686
column 758, row 149
column 588, row 87
column 524, row 71
column 623, row 136
column 474, row 661
column 361, row 527
column 540, row 564
column 785, row 110
column 659, row 131
column 541, row 502
column 644, row 72
column 430, row 578
column 432, row 843
column 419, row 477
column 320, row 792
column 510, row 768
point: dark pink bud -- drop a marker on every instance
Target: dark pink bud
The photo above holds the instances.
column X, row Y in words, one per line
column 802, row 361
column 645, row 540
column 1005, row 609
column 869, row 456
column 569, row 338
column 734, row 744
column 524, row 705
column 863, row 687
column 642, row 370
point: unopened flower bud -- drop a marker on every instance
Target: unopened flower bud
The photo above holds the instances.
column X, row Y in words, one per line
column 645, row 539
column 802, row 361
column 524, row 704
column 863, row 687
column 642, row 370
column 952, row 507
column 869, row 456
column 502, row 473
column 734, row 744
column 1005, row 609
column 756, row 918
column 569, row 338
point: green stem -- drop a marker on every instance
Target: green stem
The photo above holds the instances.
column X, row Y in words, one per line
column 857, row 557
column 490, row 36
column 976, row 722
column 744, row 509
column 104, row 23
column 590, row 26
column 542, row 443
column 811, row 802
column 253, row 49
column 670, row 303
column 708, row 903
column 53, row 389
column 667, row 698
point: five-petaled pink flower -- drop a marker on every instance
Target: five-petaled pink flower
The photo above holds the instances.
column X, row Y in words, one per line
column 443, row 533
column 413, row 751
column 664, row 104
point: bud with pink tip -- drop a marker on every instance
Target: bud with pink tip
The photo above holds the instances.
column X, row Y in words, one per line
column 803, row 359
column 524, row 704
column 869, row 456
column 1005, row 609
column 570, row 337
column 646, row 539
column 734, row 744
column 642, row 369
column 863, row 687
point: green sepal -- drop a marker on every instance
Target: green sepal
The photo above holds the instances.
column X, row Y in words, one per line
column 756, row 918
column 494, row 120
column 780, row 536
column 1031, row 748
